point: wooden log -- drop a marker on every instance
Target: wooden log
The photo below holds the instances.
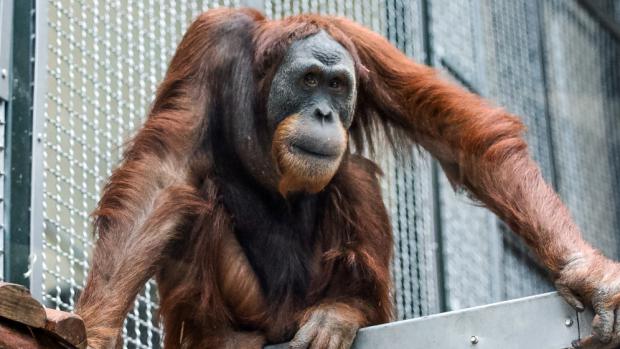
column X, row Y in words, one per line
column 11, row 338
column 25, row 323
column 17, row 304
column 14, row 335
column 67, row 326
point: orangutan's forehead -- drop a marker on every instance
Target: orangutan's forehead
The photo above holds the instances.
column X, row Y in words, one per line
column 322, row 47
column 327, row 57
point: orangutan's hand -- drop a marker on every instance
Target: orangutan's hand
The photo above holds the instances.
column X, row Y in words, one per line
column 594, row 280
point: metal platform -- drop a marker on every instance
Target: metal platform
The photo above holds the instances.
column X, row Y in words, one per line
column 539, row 322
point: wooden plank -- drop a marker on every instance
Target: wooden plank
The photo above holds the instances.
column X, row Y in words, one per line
column 17, row 304
column 67, row 326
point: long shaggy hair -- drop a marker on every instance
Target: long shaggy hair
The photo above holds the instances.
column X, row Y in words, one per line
column 224, row 66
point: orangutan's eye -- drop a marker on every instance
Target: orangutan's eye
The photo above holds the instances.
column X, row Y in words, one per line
column 311, row 80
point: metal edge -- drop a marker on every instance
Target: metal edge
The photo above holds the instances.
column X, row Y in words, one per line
column 3, row 106
column 38, row 115
column 549, row 122
column 584, row 321
column 6, row 23
column 18, row 145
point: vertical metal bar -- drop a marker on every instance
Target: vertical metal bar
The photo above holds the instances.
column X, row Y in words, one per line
column 6, row 23
column 479, row 44
column 19, row 146
column 3, row 106
column 38, row 115
column 548, row 122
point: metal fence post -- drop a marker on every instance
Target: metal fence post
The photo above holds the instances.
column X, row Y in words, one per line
column 6, row 23
column 19, row 145
column 37, row 177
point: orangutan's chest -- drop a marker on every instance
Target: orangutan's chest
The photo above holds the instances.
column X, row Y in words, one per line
column 246, row 299
column 239, row 284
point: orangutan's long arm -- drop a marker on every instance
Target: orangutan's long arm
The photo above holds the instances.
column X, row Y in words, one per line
column 481, row 148
column 150, row 194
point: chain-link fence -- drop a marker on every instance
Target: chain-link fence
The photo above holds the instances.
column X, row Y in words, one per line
column 105, row 59
column 550, row 62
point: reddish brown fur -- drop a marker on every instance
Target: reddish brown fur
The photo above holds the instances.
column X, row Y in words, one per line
column 292, row 177
column 480, row 146
column 160, row 213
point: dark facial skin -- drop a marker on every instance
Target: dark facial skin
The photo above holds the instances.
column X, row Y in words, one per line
column 310, row 108
column 309, row 111
column 316, row 79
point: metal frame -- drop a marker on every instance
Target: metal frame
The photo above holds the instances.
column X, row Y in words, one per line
column 38, row 115
column 19, row 146
column 6, row 23
column 3, row 106
column 544, row 322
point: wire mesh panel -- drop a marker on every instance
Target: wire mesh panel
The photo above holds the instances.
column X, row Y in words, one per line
column 104, row 61
column 471, row 240
column 407, row 180
column 408, row 190
column 514, row 79
column 407, row 187
column 584, row 90
column 370, row 13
